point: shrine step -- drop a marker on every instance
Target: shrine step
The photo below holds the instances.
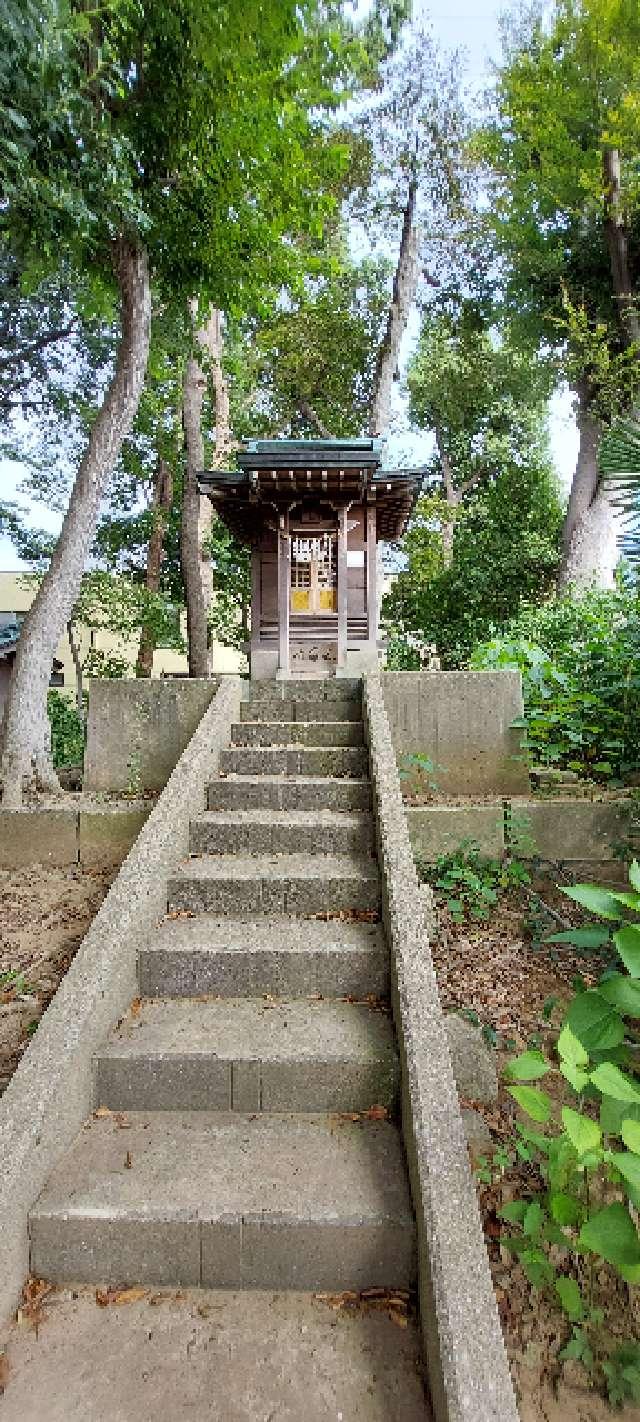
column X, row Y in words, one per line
column 228, row 1201
column 245, row 1054
column 270, row 709
column 317, row 689
column 307, row 760
column 286, row 883
column 281, row 832
column 281, row 957
column 291, row 733
column 272, row 792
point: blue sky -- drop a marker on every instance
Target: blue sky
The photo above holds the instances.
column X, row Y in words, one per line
column 470, row 25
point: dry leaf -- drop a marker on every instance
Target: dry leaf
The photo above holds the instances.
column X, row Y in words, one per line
column 102, row 1113
column 135, row 1006
column 4, row 1372
column 376, row 1113
column 128, row 1163
column 105, row 1297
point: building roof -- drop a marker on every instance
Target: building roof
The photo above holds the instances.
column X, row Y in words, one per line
column 278, row 473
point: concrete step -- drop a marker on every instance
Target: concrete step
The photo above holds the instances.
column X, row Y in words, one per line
column 281, row 832
column 284, row 957
column 308, row 760
column 228, row 1201
column 308, row 689
column 297, row 733
column 297, row 709
column 272, row 792
column 245, row 1054
column 286, row 883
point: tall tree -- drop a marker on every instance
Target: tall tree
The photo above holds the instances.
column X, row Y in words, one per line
column 563, row 150
column 125, row 143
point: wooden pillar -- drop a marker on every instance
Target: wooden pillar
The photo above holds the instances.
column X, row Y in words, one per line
column 256, row 595
column 372, row 577
column 284, row 592
column 343, row 593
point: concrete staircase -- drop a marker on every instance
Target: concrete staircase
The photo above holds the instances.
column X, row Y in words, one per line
column 231, row 1145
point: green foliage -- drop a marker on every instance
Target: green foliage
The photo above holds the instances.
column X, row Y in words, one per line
column 231, row 564
column 505, row 551
column 579, row 658
column 588, row 1161
column 67, row 731
column 472, row 882
column 417, row 774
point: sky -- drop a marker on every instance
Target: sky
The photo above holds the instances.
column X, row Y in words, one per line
column 470, row 25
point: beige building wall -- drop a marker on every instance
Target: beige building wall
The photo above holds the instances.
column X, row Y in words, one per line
column 17, row 592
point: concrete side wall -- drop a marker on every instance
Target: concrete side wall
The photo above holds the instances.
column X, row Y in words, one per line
column 49, row 1096
column 91, row 838
column 462, row 720
column 468, row 1368
column 137, row 730
column 571, row 831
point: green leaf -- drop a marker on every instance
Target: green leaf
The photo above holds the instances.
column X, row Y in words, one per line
column 533, row 1219
column 634, row 875
column 537, row 1267
column 598, row 901
column 622, row 992
column 570, row 1049
column 612, row 1234
column 613, row 1113
column 627, row 941
column 576, row 1077
column 595, row 1022
column 565, row 1210
column 630, row 1132
column 584, row 1134
column 514, row 1211
column 629, row 1166
column 612, row 1082
column 527, row 1067
column 570, row 1297
column 581, row 937
column 535, row 1103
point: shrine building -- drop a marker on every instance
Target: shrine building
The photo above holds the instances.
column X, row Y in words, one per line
column 313, row 513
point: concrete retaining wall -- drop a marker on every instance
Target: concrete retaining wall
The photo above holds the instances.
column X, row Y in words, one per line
column 468, row 1368
column 49, row 1095
column 92, row 838
column 570, row 831
column 137, row 730
column 462, row 721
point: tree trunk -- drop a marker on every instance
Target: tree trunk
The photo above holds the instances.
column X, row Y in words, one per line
column 197, row 512
column 75, row 656
column 162, row 499
column 405, row 284
column 27, row 740
column 453, row 497
column 618, row 244
column 590, row 550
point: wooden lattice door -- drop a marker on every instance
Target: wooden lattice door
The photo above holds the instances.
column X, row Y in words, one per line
column 313, row 573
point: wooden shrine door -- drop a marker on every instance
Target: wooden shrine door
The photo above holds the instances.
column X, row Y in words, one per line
column 314, row 576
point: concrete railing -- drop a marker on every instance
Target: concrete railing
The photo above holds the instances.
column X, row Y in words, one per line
column 49, row 1097
column 467, row 1362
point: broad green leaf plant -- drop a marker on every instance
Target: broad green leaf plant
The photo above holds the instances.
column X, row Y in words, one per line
column 587, row 1152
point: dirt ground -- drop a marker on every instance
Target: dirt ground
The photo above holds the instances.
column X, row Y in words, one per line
column 515, row 987
column 44, row 915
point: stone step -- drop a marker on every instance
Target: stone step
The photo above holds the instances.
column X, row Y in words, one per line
column 283, row 957
column 308, row 689
column 271, row 709
column 281, row 832
column 228, row 1201
column 297, row 733
column 272, row 792
column 245, row 1054
column 286, row 883
column 308, row 760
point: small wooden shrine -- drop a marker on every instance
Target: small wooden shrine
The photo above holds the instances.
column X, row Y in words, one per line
column 313, row 512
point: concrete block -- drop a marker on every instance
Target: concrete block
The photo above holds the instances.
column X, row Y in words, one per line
column 306, row 1255
column 473, row 1062
column 462, row 720
column 137, row 730
column 438, row 829
column 574, row 829
column 284, row 884
column 106, row 836
column 280, row 957
column 307, row 792
column 349, row 709
column 303, row 733
column 116, row 1251
column 38, row 837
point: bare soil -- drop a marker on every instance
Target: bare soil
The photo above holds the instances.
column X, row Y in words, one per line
column 501, row 972
column 44, row 915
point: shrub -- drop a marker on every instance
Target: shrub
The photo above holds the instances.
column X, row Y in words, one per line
column 67, row 731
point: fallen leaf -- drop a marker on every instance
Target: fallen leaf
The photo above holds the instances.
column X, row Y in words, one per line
column 128, row 1163
column 101, row 1113
column 135, row 1006
column 376, row 1113
column 127, row 1296
column 4, row 1372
